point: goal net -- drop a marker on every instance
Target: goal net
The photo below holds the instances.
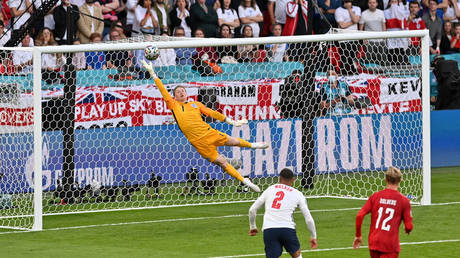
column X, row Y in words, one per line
column 338, row 109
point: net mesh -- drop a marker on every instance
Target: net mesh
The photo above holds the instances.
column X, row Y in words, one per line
column 337, row 113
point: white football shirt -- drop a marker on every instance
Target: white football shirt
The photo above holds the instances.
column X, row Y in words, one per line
column 280, row 203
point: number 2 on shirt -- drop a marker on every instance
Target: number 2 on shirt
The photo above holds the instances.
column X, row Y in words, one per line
column 276, row 204
column 390, row 213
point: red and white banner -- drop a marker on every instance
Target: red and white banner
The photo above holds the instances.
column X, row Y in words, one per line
column 101, row 106
column 387, row 95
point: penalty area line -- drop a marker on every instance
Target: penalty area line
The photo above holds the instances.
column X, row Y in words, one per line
column 344, row 248
column 186, row 219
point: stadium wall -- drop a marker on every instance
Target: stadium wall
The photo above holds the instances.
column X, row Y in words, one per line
column 445, row 138
column 111, row 155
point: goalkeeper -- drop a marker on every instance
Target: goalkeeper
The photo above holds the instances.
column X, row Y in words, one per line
column 201, row 135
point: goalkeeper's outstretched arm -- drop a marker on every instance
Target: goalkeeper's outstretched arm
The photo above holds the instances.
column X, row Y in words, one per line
column 167, row 97
column 221, row 117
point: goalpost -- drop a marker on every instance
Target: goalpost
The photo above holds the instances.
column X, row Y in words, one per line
column 95, row 140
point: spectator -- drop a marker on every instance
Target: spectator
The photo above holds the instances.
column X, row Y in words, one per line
column 348, row 16
column 228, row 15
column 452, row 12
column 250, row 15
column 277, row 52
column 447, row 35
column 364, row 4
column 297, row 19
column 395, row 16
column 78, row 3
column 20, row 10
column 328, row 8
column 78, row 58
column 62, row 35
column 455, row 45
column 434, row 24
column 147, row 17
column 118, row 26
column 246, row 52
column 162, row 11
column 180, row 16
column 204, row 17
column 121, row 11
column 95, row 60
column 22, row 60
column 108, row 8
column 204, row 53
column 183, row 55
column 373, row 19
column 336, row 96
column 4, row 35
column 414, row 22
column 46, row 21
column 51, row 63
column 266, row 25
column 131, row 22
column 277, row 11
column 167, row 56
column 119, row 59
column 226, row 54
column 88, row 25
column 440, row 4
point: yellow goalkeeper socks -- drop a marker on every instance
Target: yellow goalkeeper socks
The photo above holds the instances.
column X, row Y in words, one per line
column 244, row 143
column 233, row 172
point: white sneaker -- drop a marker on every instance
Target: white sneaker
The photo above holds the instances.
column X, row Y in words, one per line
column 251, row 185
column 259, row 145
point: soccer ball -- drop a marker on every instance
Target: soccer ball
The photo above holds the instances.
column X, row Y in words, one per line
column 151, row 52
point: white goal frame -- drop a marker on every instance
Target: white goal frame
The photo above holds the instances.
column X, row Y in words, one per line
column 38, row 51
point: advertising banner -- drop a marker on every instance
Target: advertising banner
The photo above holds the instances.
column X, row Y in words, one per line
column 112, row 156
column 141, row 105
column 368, row 142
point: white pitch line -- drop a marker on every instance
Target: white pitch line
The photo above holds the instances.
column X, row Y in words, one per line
column 180, row 219
column 344, row 248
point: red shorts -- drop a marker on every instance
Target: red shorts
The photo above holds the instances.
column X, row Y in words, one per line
column 378, row 254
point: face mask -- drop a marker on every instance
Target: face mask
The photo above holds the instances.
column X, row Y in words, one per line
column 332, row 79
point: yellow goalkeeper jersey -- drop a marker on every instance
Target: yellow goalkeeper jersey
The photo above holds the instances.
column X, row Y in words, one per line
column 188, row 115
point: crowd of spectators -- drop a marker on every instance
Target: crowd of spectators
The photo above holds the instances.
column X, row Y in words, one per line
column 119, row 19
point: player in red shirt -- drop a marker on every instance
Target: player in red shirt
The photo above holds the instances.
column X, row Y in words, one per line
column 387, row 207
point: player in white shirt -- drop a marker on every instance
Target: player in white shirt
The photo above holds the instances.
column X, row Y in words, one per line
column 280, row 201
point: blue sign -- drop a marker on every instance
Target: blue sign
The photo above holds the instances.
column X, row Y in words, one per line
column 368, row 142
column 112, row 155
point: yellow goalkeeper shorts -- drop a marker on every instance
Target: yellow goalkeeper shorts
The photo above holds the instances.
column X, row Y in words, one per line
column 207, row 145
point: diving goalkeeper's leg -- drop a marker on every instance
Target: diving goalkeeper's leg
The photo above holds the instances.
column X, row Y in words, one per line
column 229, row 169
column 232, row 141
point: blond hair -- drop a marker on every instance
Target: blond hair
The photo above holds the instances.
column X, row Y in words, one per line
column 393, row 175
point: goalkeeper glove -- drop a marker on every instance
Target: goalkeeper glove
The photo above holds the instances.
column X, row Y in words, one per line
column 236, row 123
column 148, row 66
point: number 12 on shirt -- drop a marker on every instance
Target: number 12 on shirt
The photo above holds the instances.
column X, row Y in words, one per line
column 385, row 226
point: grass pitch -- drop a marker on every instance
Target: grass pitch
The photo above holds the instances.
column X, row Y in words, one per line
column 222, row 230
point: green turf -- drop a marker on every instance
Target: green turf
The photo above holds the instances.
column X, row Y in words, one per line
column 221, row 230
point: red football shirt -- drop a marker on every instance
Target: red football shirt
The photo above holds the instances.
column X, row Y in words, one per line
column 387, row 207
column 416, row 24
column 457, row 44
